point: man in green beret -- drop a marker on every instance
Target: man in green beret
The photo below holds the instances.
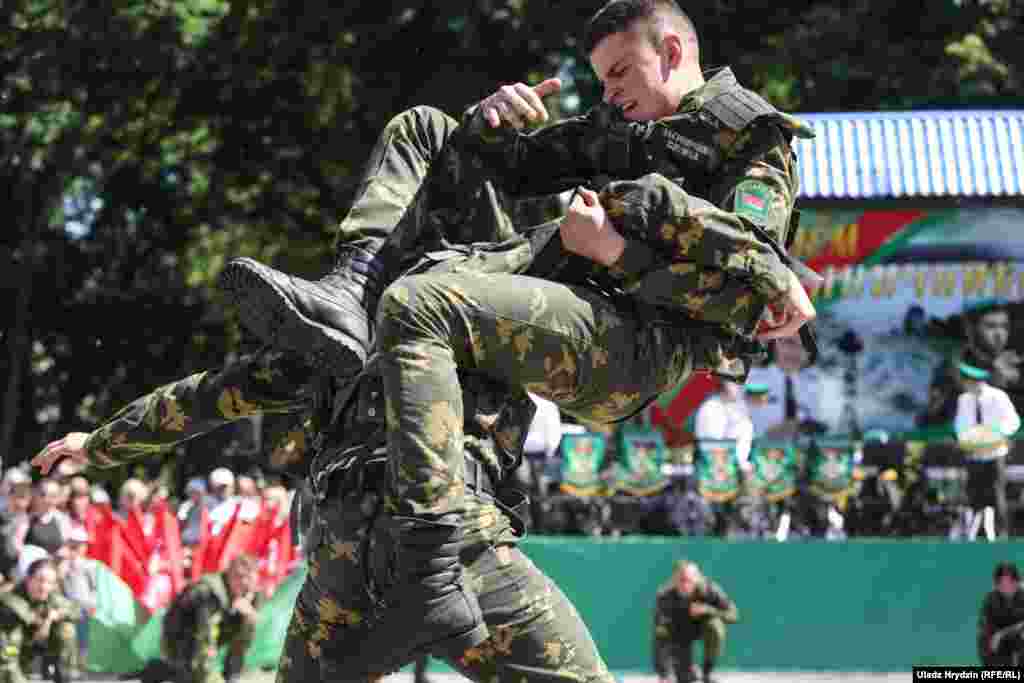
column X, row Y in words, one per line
column 985, row 418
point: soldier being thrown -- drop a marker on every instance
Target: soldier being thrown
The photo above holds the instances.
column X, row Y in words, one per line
column 590, row 354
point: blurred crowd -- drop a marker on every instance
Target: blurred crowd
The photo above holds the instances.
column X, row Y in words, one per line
column 783, row 456
column 156, row 544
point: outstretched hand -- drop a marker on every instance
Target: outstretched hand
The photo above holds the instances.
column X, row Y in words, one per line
column 519, row 104
column 71, row 446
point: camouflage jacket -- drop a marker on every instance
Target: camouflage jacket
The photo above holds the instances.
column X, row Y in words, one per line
column 673, row 624
column 704, row 197
column 266, row 382
column 20, row 615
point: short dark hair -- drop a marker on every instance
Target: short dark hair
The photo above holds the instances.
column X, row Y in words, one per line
column 39, row 565
column 1006, row 569
column 617, row 16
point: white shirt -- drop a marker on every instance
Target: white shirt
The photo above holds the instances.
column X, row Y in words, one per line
column 718, row 418
column 997, row 411
column 546, row 429
column 818, row 397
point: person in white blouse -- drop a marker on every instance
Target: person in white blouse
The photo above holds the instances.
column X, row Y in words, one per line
column 724, row 415
column 985, row 419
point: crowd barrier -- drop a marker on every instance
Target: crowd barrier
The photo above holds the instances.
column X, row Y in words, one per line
column 861, row 605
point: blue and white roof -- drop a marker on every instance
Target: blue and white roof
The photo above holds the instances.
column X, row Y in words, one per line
column 913, row 154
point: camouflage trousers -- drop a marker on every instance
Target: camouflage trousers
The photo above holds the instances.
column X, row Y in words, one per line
column 195, row 659
column 60, row 652
column 710, row 631
column 536, row 633
column 571, row 345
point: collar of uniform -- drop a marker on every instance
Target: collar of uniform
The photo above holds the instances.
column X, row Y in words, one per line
column 715, row 81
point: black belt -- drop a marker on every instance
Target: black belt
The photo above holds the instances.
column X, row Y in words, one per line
column 373, row 475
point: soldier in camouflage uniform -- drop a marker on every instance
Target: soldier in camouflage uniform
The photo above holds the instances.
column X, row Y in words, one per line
column 35, row 619
column 690, row 607
column 218, row 610
column 415, row 550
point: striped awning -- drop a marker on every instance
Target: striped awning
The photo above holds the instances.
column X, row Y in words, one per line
column 883, row 155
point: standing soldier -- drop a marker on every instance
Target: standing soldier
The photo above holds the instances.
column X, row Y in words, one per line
column 35, row 619
column 219, row 609
column 690, row 607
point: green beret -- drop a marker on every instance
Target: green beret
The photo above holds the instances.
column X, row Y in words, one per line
column 971, row 372
column 756, row 388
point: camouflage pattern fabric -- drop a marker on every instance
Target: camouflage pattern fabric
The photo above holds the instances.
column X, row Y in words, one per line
column 536, row 633
column 207, row 623
column 20, row 616
column 567, row 344
column 268, row 382
column 675, row 630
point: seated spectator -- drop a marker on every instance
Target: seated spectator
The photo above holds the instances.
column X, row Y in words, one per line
column 48, row 526
column 79, row 579
column 14, row 522
column 190, row 512
column 79, row 502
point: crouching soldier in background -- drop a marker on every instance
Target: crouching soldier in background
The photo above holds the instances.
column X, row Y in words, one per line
column 219, row 609
column 36, row 620
column 688, row 608
column 1001, row 621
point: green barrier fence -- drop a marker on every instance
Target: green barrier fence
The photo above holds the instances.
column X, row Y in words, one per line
column 859, row 605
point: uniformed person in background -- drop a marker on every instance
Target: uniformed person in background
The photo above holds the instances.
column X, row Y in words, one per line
column 690, row 607
column 1001, row 620
column 219, row 609
column 36, row 620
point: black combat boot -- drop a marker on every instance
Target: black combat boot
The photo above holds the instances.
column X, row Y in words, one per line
column 329, row 318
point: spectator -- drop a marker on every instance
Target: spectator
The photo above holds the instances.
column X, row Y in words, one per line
column 798, row 395
column 80, row 581
column 14, row 521
column 985, row 417
column 222, row 498
column 79, row 502
column 724, row 416
column 1001, row 620
column 190, row 512
column 49, row 526
column 690, row 607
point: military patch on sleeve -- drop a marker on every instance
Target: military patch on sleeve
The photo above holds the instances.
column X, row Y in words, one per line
column 753, row 201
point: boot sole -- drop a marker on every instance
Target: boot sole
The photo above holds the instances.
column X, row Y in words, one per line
column 268, row 313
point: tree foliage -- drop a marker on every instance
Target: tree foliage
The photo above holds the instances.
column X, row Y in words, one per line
column 144, row 142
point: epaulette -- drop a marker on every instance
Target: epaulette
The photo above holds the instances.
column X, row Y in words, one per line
column 738, row 108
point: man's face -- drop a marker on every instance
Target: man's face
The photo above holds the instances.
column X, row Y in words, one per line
column 41, row 584
column 635, row 74
column 1007, row 585
column 686, row 582
column 789, row 354
column 242, row 581
column 992, row 331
